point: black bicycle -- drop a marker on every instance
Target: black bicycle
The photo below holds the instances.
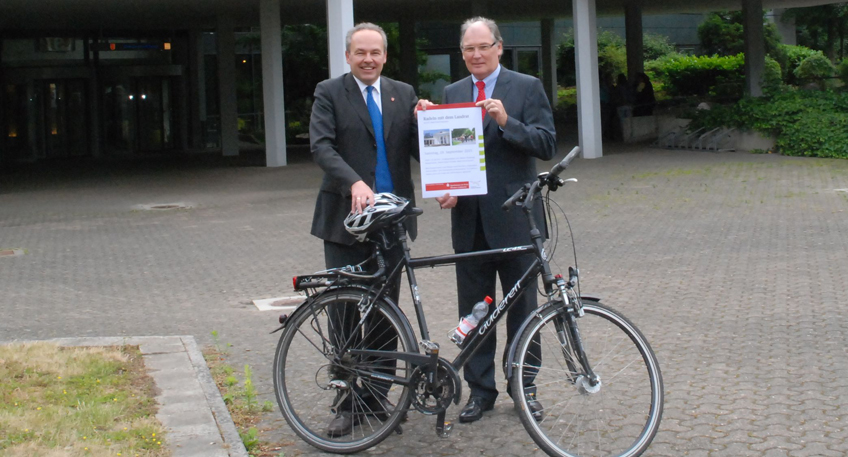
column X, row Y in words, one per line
column 349, row 345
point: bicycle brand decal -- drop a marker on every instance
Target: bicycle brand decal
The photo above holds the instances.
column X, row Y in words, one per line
column 500, row 308
column 516, row 248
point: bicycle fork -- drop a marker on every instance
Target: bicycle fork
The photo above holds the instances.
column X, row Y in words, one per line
column 571, row 344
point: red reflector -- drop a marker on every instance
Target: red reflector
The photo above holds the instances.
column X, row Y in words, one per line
column 294, row 282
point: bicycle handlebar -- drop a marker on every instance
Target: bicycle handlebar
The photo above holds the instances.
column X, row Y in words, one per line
column 558, row 168
column 544, row 178
column 520, row 193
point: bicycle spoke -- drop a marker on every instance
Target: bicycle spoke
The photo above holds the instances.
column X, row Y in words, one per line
column 583, row 417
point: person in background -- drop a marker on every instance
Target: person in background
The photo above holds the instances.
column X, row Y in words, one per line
column 643, row 96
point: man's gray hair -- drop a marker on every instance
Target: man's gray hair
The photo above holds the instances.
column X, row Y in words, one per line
column 366, row 26
column 496, row 33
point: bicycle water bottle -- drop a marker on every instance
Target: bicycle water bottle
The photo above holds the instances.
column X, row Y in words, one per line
column 469, row 322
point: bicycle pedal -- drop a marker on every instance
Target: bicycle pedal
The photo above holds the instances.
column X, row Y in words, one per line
column 445, row 430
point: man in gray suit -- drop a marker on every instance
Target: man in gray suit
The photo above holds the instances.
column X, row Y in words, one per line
column 518, row 128
column 362, row 134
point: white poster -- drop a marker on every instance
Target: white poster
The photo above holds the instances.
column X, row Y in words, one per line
column 450, row 140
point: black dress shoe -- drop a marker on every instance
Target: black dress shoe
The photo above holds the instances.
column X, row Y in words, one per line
column 341, row 425
column 473, row 410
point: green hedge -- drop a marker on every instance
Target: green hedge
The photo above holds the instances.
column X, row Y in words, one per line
column 806, row 123
column 718, row 77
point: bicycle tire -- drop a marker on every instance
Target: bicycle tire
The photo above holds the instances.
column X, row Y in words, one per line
column 304, row 366
column 621, row 417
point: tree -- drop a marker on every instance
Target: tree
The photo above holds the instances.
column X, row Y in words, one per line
column 612, row 54
column 721, row 33
column 822, row 27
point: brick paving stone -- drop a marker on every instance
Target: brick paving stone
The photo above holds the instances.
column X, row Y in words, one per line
column 731, row 264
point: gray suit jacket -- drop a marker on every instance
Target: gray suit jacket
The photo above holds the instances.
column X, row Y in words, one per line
column 343, row 145
column 511, row 156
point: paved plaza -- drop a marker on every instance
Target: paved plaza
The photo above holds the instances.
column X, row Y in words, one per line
column 732, row 264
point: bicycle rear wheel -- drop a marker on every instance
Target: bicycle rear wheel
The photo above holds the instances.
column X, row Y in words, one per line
column 313, row 380
column 618, row 416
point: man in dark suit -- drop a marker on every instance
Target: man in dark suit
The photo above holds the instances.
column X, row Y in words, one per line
column 518, row 128
column 362, row 134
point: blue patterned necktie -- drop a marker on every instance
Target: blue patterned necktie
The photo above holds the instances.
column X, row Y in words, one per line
column 383, row 175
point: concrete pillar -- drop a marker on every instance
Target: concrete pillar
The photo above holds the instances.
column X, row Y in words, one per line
column 227, row 85
column 634, row 39
column 754, row 46
column 272, row 83
column 94, row 105
column 197, row 90
column 549, row 65
column 408, row 56
column 339, row 21
column 785, row 26
column 588, row 90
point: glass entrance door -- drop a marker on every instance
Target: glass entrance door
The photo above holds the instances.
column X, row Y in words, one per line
column 64, row 118
column 138, row 114
column 14, row 144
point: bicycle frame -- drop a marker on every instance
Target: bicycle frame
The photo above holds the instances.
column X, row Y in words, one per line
column 480, row 333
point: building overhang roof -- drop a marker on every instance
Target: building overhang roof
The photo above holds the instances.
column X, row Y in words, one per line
column 181, row 14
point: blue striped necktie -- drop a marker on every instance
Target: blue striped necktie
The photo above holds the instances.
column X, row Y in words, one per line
column 383, row 175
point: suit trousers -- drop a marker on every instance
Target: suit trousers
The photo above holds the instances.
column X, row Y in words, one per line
column 376, row 333
column 475, row 280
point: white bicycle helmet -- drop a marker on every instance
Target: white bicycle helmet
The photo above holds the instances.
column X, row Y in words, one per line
column 386, row 206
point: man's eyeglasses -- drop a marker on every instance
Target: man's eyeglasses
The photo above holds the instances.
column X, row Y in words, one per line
column 481, row 48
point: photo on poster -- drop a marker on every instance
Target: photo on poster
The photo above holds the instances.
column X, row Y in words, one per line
column 436, row 138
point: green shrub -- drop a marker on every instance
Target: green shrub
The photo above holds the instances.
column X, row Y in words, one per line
column 656, row 46
column 816, row 68
column 805, row 122
column 612, row 57
column 789, row 57
column 722, row 33
column 842, row 71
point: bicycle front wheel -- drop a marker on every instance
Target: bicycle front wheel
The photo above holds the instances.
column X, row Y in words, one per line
column 316, row 382
column 615, row 414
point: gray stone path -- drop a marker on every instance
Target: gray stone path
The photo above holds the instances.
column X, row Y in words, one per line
column 732, row 264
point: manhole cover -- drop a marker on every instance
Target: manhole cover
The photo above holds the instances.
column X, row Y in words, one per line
column 163, row 206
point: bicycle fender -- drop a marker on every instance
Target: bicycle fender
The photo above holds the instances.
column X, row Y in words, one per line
column 514, row 345
column 407, row 327
column 303, row 305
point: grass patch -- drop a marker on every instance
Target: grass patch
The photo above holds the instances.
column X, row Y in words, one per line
column 77, row 401
column 242, row 401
